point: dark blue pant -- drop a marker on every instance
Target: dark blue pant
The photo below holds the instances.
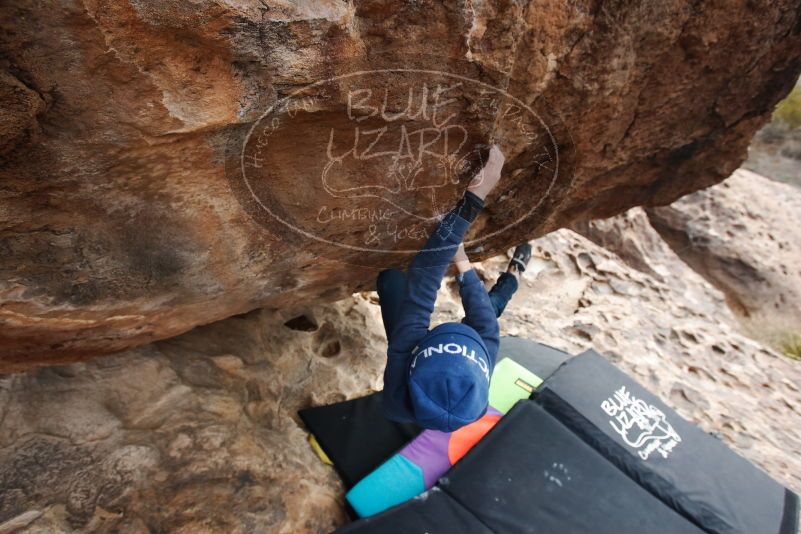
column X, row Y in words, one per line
column 391, row 287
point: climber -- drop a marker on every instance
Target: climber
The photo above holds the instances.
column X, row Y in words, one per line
column 439, row 378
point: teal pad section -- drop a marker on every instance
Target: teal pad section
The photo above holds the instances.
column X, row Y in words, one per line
column 510, row 383
column 396, row 481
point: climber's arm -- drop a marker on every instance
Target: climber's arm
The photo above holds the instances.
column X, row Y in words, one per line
column 479, row 313
column 424, row 277
column 423, row 280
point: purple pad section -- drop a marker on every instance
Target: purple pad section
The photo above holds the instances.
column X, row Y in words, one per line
column 429, row 451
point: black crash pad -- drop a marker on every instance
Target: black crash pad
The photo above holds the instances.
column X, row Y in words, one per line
column 356, row 436
column 542, row 360
column 434, row 512
column 530, row 474
column 686, row 468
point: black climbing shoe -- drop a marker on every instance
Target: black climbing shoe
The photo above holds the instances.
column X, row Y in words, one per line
column 520, row 258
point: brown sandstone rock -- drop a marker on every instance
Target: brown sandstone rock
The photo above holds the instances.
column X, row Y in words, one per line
column 125, row 215
column 196, row 434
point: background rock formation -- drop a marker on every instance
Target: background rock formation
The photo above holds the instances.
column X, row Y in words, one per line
column 199, row 433
column 121, row 217
column 740, row 237
column 775, row 150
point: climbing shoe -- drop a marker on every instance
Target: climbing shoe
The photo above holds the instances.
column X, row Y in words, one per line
column 520, row 258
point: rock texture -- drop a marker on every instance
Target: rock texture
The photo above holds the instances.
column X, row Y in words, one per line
column 196, row 434
column 125, row 215
column 742, row 237
column 199, row 434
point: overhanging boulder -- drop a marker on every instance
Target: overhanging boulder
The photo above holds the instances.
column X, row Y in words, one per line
column 165, row 166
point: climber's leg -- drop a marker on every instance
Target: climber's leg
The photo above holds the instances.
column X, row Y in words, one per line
column 507, row 283
column 391, row 287
column 502, row 292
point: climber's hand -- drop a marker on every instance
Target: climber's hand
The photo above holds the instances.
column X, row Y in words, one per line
column 489, row 176
column 461, row 260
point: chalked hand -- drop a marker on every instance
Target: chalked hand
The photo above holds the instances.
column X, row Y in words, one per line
column 489, row 176
column 461, row 260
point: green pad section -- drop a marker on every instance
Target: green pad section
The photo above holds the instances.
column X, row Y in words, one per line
column 510, row 383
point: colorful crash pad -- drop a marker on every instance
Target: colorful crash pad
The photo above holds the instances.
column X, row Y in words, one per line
column 530, row 474
column 357, row 437
column 510, row 383
column 418, row 465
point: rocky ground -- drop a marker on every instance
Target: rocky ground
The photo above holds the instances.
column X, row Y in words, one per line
column 199, row 433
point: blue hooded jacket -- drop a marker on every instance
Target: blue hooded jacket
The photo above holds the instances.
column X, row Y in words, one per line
column 424, row 276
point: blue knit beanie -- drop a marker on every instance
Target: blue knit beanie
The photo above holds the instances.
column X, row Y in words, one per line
column 449, row 378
